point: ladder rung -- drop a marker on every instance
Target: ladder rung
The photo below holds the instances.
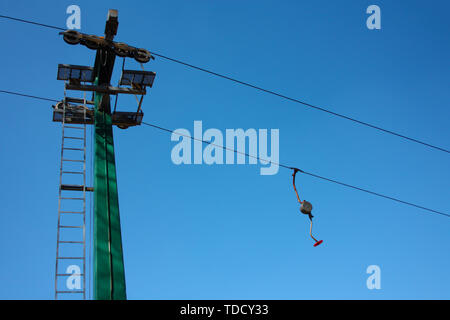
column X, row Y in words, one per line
column 76, row 227
column 78, row 100
column 69, row 291
column 70, row 187
column 78, row 149
column 76, row 138
column 66, row 198
column 71, row 258
column 77, row 212
column 69, row 274
column 63, row 241
column 73, row 172
column 73, row 127
column 72, row 160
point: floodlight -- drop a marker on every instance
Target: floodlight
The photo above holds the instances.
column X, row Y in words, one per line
column 137, row 78
column 73, row 72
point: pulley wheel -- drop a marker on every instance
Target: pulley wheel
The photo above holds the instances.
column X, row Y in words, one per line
column 72, row 37
column 142, row 55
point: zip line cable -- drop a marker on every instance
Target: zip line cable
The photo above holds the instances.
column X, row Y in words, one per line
column 268, row 162
column 247, row 84
column 301, row 171
column 28, row 96
column 303, row 103
column 32, row 22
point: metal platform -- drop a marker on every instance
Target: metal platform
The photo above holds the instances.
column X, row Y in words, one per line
column 127, row 119
column 75, row 114
column 105, row 89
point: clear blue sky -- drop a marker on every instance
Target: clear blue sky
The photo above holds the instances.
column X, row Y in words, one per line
column 225, row 231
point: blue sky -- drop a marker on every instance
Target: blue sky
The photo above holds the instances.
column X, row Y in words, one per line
column 225, row 231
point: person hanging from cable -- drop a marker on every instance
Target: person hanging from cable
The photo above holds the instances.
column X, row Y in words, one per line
column 305, row 207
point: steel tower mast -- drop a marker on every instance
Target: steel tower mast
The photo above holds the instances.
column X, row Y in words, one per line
column 108, row 266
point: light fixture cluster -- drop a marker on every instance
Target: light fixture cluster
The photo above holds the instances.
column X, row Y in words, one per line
column 137, row 78
column 70, row 72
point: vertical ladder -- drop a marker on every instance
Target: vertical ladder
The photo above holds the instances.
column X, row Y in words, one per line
column 70, row 272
